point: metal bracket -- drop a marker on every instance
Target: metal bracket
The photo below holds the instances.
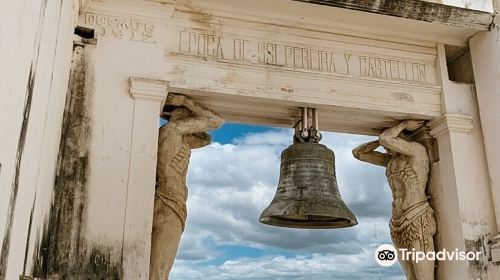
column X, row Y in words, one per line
column 308, row 131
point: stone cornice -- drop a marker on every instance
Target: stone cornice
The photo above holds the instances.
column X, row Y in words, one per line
column 148, row 88
column 158, row 10
column 417, row 10
column 451, row 123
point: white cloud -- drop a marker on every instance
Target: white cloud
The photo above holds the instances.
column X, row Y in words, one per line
column 482, row 5
column 311, row 267
column 229, row 185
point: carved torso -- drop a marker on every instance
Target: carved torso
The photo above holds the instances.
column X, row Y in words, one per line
column 173, row 161
column 407, row 188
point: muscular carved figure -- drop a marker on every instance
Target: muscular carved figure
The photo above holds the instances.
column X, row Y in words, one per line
column 407, row 168
column 185, row 130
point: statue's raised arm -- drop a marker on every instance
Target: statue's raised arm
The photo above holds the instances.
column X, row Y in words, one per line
column 366, row 152
column 192, row 117
column 391, row 139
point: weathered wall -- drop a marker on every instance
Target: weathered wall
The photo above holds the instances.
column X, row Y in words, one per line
column 94, row 240
column 202, row 50
column 35, row 53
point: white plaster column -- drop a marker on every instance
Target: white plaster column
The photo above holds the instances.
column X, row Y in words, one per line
column 149, row 96
column 485, row 54
column 461, row 190
column 444, row 191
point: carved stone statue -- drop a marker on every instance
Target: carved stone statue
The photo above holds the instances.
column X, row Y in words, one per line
column 407, row 169
column 185, row 130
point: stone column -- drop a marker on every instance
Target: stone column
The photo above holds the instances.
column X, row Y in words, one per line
column 485, row 54
column 149, row 96
column 461, row 192
column 445, row 195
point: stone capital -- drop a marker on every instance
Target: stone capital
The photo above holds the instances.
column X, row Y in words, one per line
column 145, row 88
column 451, row 123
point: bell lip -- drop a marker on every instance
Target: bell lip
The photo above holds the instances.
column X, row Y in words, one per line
column 277, row 212
column 304, row 224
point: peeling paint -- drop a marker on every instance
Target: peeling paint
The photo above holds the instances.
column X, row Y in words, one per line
column 478, row 269
column 403, row 96
column 198, row 16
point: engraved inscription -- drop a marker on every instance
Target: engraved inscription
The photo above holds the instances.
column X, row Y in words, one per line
column 392, row 69
column 201, row 44
column 301, row 58
column 121, row 27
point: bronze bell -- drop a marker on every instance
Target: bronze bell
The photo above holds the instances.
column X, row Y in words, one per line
column 308, row 195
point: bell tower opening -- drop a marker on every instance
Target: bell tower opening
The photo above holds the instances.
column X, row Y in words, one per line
column 234, row 179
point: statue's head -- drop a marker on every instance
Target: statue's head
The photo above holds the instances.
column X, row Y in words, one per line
column 194, row 140
column 180, row 113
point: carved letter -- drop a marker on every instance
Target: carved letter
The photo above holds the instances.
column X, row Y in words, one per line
column 347, row 58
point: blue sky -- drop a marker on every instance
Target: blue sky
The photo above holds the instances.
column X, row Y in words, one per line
column 231, row 181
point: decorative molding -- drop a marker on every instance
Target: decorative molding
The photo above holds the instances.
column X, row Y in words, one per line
column 148, row 88
column 451, row 123
column 154, row 10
